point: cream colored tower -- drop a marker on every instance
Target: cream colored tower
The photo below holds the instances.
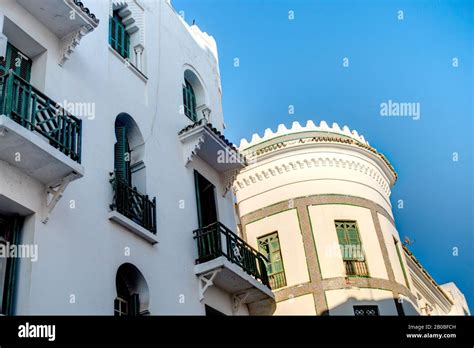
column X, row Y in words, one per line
column 315, row 201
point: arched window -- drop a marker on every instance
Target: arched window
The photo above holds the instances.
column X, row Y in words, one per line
column 128, row 152
column 189, row 101
column 119, row 38
column 195, row 99
column 132, row 292
column 129, row 176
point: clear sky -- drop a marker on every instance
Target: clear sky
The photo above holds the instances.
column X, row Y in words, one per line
column 299, row 62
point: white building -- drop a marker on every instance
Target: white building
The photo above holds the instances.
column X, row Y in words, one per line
column 315, row 200
column 105, row 106
column 116, row 183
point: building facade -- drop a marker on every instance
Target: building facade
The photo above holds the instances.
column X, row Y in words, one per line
column 315, row 200
column 111, row 123
column 117, row 184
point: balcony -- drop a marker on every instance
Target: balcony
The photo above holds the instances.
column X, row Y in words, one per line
column 36, row 134
column 202, row 140
column 228, row 262
column 356, row 268
column 68, row 20
column 134, row 210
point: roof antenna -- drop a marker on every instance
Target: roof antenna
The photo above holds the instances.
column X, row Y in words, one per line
column 407, row 241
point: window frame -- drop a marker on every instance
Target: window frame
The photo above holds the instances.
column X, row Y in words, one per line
column 118, row 32
column 189, row 101
column 272, row 275
column 352, row 262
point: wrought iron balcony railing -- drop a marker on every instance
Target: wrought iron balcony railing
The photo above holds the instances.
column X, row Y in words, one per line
column 356, row 268
column 134, row 205
column 36, row 112
column 217, row 240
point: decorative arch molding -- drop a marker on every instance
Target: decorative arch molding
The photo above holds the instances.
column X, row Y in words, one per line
column 309, row 163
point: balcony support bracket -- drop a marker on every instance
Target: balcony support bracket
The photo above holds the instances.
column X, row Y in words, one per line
column 206, row 281
column 54, row 193
column 228, row 178
column 238, row 300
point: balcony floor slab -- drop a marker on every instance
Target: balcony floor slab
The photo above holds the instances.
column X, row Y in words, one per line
column 34, row 155
column 234, row 280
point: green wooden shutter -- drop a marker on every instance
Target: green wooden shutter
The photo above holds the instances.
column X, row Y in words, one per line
column 122, row 155
column 269, row 246
column 18, row 62
column 13, row 236
column 119, row 38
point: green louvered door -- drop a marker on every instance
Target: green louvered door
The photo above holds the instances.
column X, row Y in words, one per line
column 19, row 62
column 269, row 246
column 122, row 156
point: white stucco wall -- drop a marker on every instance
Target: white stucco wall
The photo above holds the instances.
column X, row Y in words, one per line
column 460, row 306
column 80, row 250
column 301, row 305
column 341, row 301
column 329, row 177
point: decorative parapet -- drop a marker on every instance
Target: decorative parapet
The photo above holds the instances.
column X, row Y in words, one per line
column 297, row 135
column 297, row 128
column 246, row 180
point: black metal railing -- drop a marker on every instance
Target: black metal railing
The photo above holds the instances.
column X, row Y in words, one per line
column 356, row 268
column 33, row 110
column 134, row 205
column 217, row 240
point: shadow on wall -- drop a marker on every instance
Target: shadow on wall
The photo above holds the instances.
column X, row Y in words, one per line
column 357, row 307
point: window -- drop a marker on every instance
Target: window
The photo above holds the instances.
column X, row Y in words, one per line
column 119, row 38
column 269, row 246
column 206, row 200
column 122, row 155
column 351, row 248
column 129, row 176
column 366, row 311
column 401, row 262
column 19, row 62
column 189, row 101
column 9, row 234
column 120, row 307
column 132, row 292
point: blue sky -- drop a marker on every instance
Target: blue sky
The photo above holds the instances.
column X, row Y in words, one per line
column 300, row 62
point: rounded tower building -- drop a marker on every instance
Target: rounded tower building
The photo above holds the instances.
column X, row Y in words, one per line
column 315, row 200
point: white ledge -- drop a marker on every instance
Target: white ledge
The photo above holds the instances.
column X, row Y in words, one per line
column 129, row 65
column 234, row 280
column 133, row 227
